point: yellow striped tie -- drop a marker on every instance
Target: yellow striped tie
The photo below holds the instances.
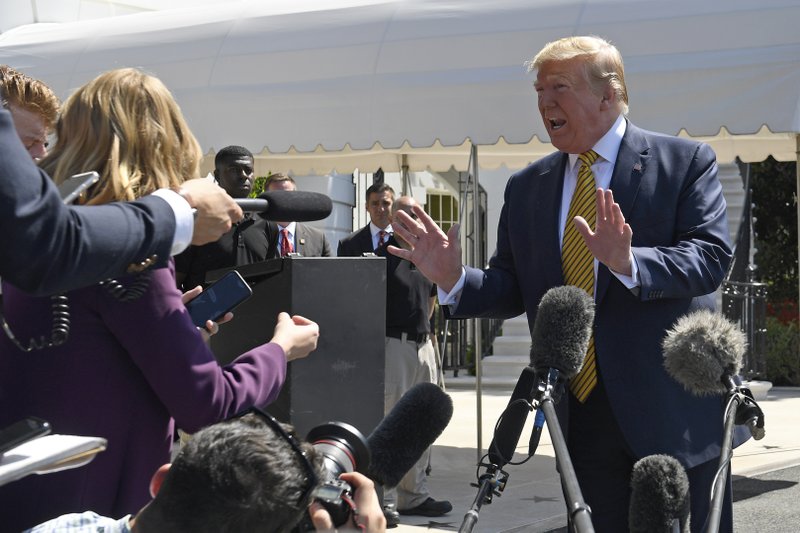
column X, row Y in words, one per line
column 578, row 262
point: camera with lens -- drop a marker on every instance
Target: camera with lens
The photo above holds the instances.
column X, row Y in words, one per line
column 343, row 448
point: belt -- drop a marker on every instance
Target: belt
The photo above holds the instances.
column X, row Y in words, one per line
column 419, row 338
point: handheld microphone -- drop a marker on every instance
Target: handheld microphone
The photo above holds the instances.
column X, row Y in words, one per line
column 659, row 496
column 299, row 206
column 560, row 338
column 413, row 424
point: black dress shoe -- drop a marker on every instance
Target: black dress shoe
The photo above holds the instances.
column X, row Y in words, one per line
column 391, row 515
column 429, row 507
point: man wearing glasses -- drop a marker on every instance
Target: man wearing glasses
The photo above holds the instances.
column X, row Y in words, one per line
column 248, row 473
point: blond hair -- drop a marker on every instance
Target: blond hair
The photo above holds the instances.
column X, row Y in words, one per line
column 28, row 93
column 126, row 126
column 602, row 61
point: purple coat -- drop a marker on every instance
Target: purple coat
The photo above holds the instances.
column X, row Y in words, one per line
column 129, row 372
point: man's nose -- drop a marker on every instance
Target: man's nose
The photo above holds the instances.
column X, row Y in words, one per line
column 37, row 150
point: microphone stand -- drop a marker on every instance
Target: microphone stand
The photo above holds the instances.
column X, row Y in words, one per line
column 493, row 482
column 741, row 409
column 579, row 511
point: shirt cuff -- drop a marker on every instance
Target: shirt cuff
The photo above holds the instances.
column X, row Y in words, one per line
column 184, row 219
column 633, row 280
column 452, row 298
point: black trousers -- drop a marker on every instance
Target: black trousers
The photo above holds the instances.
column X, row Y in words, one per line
column 603, row 464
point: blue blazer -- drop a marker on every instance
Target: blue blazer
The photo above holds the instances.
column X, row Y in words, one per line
column 669, row 192
column 47, row 247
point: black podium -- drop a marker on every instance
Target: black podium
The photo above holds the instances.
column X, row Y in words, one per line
column 343, row 378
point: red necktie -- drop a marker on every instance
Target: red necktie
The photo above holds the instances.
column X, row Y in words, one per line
column 286, row 244
column 381, row 238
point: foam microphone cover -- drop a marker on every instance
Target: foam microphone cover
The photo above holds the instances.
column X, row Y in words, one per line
column 413, row 424
column 299, row 206
column 701, row 349
column 562, row 329
column 659, row 495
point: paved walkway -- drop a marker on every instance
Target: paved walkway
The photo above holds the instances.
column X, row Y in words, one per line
column 532, row 501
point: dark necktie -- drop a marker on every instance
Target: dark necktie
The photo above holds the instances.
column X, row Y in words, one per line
column 578, row 263
column 381, row 239
column 286, row 244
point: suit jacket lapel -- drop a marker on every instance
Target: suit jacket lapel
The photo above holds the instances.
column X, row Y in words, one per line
column 365, row 240
column 548, row 202
column 299, row 239
column 632, row 161
column 272, row 240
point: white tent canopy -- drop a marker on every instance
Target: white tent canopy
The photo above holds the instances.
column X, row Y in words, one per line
column 320, row 85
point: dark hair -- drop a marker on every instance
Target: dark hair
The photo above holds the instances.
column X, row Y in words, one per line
column 229, row 152
column 234, row 476
column 378, row 188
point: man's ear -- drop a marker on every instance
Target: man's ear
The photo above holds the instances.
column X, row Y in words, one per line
column 158, row 479
column 607, row 100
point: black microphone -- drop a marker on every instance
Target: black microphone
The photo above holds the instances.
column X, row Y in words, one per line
column 560, row 338
column 702, row 352
column 659, row 496
column 298, row 206
column 562, row 330
column 413, row 424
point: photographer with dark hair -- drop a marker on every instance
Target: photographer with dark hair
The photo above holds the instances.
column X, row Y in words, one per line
column 249, row 473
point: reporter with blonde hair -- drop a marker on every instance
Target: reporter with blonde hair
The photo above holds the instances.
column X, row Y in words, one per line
column 122, row 359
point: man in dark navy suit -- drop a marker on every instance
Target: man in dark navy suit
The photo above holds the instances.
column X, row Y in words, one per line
column 47, row 247
column 647, row 211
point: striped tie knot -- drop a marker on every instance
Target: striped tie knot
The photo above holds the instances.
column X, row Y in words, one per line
column 588, row 158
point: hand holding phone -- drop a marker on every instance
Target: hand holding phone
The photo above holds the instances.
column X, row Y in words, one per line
column 217, row 299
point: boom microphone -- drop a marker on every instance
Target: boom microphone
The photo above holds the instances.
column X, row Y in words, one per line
column 299, row 206
column 659, row 496
column 560, row 338
column 703, row 351
column 413, row 424
column 562, row 329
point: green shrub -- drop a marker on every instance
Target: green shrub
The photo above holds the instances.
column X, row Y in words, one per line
column 783, row 352
column 258, row 185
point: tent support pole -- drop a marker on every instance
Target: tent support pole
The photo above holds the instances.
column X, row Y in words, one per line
column 476, row 257
column 797, row 205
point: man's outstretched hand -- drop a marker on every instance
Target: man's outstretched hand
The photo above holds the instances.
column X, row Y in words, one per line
column 436, row 254
column 610, row 242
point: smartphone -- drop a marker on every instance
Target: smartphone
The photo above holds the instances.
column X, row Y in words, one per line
column 22, row 431
column 72, row 187
column 218, row 298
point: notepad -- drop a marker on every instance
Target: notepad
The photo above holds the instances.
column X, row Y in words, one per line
column 47, row 454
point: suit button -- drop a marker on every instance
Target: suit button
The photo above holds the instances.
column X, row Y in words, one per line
column 136, row 268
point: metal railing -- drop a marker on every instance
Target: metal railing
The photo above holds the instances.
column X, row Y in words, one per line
column 454, row 341
column 745, row 302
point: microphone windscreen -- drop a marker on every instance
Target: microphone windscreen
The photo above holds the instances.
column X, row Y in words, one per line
column 700, row 349
column 562, row 329
column 297, row 206
column 413, row 424
column 659, row 495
